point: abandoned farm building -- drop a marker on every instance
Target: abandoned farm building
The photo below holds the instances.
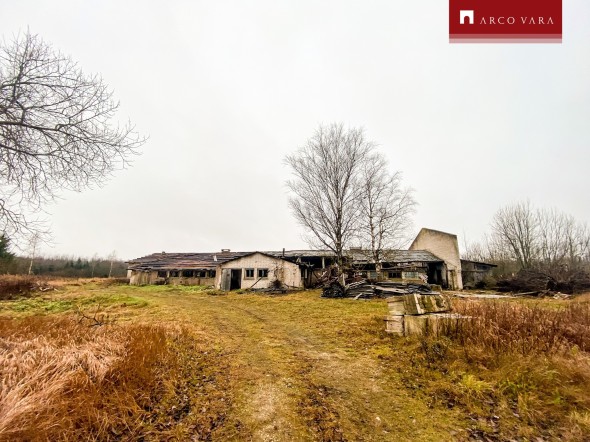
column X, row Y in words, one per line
column 433, row 257
column 474, row 273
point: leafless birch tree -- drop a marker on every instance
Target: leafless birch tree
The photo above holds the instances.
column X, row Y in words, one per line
column 563, row 241
column 546, row 240
column 57, row 131
column 385, row 209
column 326, row 191
column 516, row 226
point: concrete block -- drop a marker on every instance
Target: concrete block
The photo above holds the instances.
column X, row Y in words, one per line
column 394, row 325
column 431, row 324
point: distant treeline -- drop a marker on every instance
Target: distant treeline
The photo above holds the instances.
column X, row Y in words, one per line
column 64, row 266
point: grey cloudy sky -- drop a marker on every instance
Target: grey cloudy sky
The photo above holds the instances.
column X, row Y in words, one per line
column 225, row 89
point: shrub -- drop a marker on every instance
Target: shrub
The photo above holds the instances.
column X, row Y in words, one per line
column 15, row 286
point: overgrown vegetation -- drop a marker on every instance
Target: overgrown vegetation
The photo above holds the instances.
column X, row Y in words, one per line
column 174, row 363
column 537, row 281
column 66, row 380
column 519, row 371
column 536, row 249
column 18, row 286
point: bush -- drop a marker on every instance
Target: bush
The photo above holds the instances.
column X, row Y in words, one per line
column 16, row 286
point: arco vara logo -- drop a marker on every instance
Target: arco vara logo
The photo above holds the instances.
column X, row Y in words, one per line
column 505, row 21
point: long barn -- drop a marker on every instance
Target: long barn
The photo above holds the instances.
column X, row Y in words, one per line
column 433, row 257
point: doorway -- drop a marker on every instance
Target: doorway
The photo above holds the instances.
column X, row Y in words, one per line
column 236, row 279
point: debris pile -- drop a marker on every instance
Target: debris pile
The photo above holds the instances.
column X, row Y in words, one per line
column 366, row 289
column 386, row 289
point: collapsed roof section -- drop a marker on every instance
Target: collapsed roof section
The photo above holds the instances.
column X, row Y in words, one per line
column 209, row 261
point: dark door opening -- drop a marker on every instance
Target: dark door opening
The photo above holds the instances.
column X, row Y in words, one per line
column 236, row 279
column 435, row 274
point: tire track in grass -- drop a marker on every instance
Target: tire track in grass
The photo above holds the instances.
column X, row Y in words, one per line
column 263, row 406
column 292, row 381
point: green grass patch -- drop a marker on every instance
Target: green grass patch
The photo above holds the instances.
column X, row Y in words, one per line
column 41, row 305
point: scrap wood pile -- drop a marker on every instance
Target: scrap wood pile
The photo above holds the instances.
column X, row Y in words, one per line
column 366, row 289
column 329, row 275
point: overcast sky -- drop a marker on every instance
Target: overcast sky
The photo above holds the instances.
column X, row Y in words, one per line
column 225, row 89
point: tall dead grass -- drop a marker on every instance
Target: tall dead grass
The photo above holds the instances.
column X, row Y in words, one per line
column 520, row 371
column 62, row 380
column 503, row 327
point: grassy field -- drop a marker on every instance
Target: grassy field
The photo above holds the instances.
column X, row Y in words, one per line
column 92, row 361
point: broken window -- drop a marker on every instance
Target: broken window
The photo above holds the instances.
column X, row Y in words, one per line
column 394, row 274
column 263, row 273
column 187, row 273
column 211, row 273
column 162, row 273
column 411, row 275
column 249, row 273
column 174, row 273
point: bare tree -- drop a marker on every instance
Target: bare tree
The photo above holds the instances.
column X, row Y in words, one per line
column 555, row 230
column 57, row 131
column 112, row 258
column 544, row 240
column 489, row 249
column 563, row 241
column 33, row 244
column 516, row 227
column 326, row 192
column 579, row 244
column 93, row 261
column 385, row 209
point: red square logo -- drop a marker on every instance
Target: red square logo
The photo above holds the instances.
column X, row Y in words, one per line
column 505, row 21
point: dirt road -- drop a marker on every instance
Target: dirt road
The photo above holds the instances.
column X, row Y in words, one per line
column 305, row 368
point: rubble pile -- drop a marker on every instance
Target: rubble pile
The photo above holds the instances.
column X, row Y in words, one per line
column 366, row 289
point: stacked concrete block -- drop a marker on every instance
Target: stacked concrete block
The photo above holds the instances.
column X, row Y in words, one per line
column 415, row 313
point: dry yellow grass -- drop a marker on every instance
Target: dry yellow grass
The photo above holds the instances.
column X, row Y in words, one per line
column 62, row 379
column 296, row 367
column 518, row 370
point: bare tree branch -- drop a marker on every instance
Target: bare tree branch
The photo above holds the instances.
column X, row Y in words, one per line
column 327, row 172
column 516, row 227
column 545, row 240
column 385, row 210
column 57, row 131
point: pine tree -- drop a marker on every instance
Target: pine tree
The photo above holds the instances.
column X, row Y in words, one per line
column 6, row 256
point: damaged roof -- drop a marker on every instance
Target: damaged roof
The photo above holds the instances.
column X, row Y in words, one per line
column 209, row 261
column 395, row 256
column 178, row 261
